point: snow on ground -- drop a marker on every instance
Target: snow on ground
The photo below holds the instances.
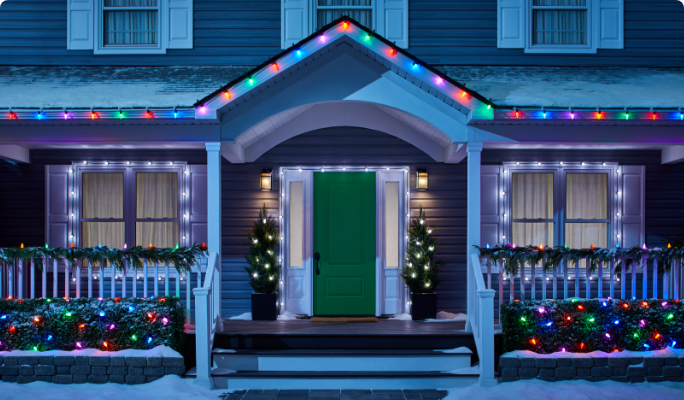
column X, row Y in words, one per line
column 176, row 388
column 286, row 316
column 159, row 351
column 666, row 352
column 535, row 389
column 442, row 316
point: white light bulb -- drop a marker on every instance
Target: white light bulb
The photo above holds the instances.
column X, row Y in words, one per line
column 149, row 163
column 503, row 193
column 269, row 237
column 366, row 169
column 255, row 275
column 427, row 267
column 270, row 252
column 300, row 170
column 267, row 266
column 410, row 264
column 418, row 255
column 128, row 163
column 431, row 248
column 429, row 230
column 422, row 222
column 561, row 163
column 418, row 243
column 255, row 241
column 604, row 164
column 413, row 275
column 427, row 284
column 539, row 163
column 517, row 163
column 582, row 162
column 171, row 163
column 270, row 278
column 106, row 162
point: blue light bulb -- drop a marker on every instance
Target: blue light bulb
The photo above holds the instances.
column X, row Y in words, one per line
column 131, row 308
column 49, row 337
column 616, row 322
column 3, row 317
column 549, row 324
column 149, row 340
column 102, row 313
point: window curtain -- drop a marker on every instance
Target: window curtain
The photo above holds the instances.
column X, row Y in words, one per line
column 565, row 27
column 102, row 198
column 532, row 198
column 130, row 27
column 156, row 198
column 587, row 199
column 364, row 17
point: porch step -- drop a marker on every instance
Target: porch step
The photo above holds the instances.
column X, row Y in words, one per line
column 345, row 380
column 342, row 360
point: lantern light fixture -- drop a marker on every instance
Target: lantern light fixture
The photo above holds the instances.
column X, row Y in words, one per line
column 422, row 179
column 266, row 181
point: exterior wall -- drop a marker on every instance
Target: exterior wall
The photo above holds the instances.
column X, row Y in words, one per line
column 444, row 202
column 231, row 32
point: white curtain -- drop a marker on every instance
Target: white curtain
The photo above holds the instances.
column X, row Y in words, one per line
column 586, row 199
column 156, row 198
column 102, row 198
column 559, row 26
column 130, row 26
column 532, row 198
column 364, row 17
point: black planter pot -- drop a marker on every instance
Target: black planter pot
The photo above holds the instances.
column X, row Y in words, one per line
column 423, row 306
column 264, row 307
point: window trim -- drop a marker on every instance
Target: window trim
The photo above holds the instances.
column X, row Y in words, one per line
column 560, row 197
column 130, row 216
column 98, row 26
column 593, row 27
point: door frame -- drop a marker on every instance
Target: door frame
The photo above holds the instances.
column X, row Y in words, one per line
column 296, row 284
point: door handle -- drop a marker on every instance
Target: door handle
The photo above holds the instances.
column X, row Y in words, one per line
column 317, row 256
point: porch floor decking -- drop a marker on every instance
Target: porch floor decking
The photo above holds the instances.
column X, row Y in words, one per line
column 304, row 327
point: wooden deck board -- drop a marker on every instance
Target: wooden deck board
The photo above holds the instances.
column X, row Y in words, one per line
column 307, row 328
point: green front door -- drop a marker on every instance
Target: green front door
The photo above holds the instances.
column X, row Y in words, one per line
column 344, row 238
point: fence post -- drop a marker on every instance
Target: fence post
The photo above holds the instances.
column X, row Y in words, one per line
column 145, row 278
column 623, row 284
column 33, row 279
column 55, row 273
column 588, row 283
column 533, row 286
column 166, row 278
column 555, row 283
column 655, row 281
column 522, row 281
column 644, row 275
column 20, row 279
column 600, row 279
column 202, row 333
column 44, row 274
column 565, row 277
column 486, row 325
column 543, row 268
column 634, row 294
column 78, row 279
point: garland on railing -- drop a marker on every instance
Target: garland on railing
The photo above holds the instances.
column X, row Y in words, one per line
column 514, row 256
column 182, row 258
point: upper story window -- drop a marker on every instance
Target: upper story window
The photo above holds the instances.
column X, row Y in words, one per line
column 559, row 22
column 130, row 22
column 129, row 26
column 560, row 26
column 300, row 18
column 329, row 10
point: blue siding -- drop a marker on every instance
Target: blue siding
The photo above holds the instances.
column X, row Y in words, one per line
column 247, row 32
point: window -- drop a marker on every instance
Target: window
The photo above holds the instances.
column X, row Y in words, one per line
column 329, row 10
column 129, row 26
column 555, row 206
column 128, row 205
column 130, row 22
column 301, row 18
column 532, row 210
column 560, row 26
column 559, row 22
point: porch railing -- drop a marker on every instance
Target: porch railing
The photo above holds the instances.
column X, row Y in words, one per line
column 23, row 279
column 534, row 282
column 481, row 320
column 208, row 319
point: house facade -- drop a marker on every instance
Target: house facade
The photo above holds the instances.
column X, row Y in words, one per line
column 165, row 122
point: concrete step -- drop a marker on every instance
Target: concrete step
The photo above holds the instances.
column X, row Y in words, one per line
column 342, row 360
column 345, row 380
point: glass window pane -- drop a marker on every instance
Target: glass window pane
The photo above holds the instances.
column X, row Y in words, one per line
column 344, row 2
column 587, row 196
column 130, row 3
column 532, row 196
column 296, row 225
column 532, row 233
column 562, row 3
column 158, row 234
column 130, row 28
column 391, row 224
column 157, row 195
column 110, row 234
column 559, row 27
column 364, row 17
column 102, row 195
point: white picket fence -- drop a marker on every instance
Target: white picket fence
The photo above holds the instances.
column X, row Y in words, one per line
column 90, row 281
column 567, row 274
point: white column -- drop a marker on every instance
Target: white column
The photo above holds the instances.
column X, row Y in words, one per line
column 214, row 206
column 474, row 152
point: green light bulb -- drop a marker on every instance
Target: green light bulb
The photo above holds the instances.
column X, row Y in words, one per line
column 591, row 320
column 523, row 319
column 636, row 335
column 670, row 316
column 134, row 338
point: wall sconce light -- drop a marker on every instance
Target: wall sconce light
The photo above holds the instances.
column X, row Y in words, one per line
column 422, row 179
column 266, row 182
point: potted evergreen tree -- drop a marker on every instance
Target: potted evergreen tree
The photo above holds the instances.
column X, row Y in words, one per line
column 264, row 269
column 420, row 271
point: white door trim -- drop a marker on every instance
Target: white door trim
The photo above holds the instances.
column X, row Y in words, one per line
column 296, row 290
